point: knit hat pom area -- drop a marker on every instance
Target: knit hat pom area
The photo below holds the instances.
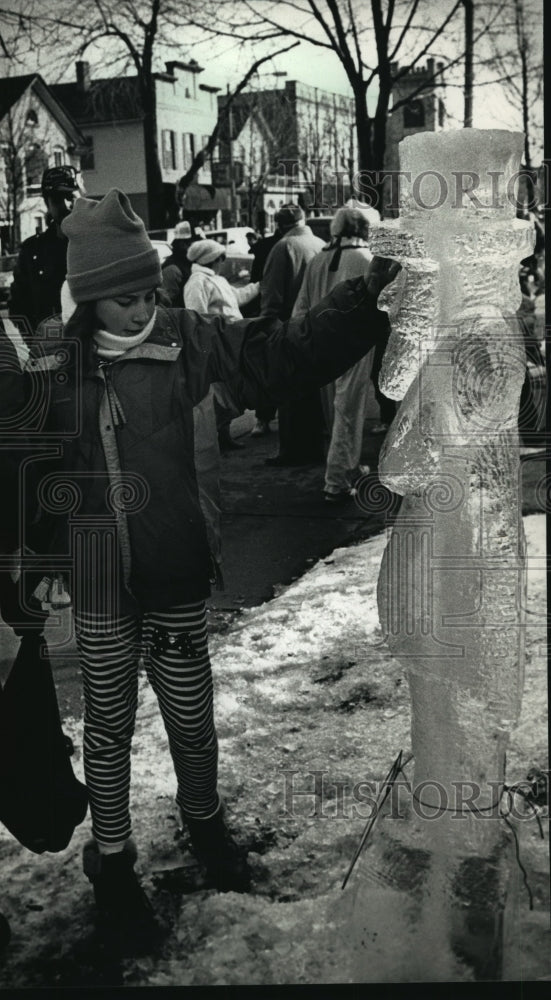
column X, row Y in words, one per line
column 109, row 251
column 205, row 252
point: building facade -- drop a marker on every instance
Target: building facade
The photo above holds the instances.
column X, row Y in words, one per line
column 291, row 143
column 36, row 132
column 110, row 115
column 423, row 111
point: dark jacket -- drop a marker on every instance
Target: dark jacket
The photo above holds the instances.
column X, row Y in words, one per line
column 176, row 270
column 135, row 414
column 37, row 278
column 261, row 251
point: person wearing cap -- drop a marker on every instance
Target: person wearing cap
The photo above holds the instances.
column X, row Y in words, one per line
column 118, row 501
column 345, row 401
column 176, row 269
column 42, row 262
column 300, row 420
column 208, row 291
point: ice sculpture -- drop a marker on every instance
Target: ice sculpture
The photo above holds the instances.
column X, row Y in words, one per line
column 451, row 585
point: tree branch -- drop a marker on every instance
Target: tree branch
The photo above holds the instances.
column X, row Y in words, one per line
column 409, row 19
column 430, row 43
column 207, row 149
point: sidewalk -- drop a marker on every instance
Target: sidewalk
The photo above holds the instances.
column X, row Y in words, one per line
column 308, row 703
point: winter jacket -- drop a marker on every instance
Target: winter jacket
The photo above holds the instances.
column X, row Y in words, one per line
column 37, row 278
column 175, row 271
column 121, row 502
column 261, row 251
column 211, row 293
column 284, row 270
column 335, row 263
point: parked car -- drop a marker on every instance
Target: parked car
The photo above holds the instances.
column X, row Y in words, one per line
column 7, row 265
column 163, row 249
column 164, row 235
column 234, row 238
column 237, row 268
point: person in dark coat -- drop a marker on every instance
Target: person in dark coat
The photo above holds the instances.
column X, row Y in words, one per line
column 120, row 505
column 42, row 262
column 176, row 269
column 261, row 251
column 300, row 420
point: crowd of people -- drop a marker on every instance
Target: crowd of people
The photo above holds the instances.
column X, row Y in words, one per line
column 155, row 363
column 158, row 361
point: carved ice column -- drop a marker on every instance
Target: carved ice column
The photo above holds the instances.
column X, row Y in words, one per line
column 451, row 586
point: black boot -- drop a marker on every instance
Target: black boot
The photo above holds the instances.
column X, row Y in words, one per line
column 125, row 915
column 217, row 851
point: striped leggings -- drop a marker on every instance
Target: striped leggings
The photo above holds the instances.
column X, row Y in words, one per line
column 174, row 648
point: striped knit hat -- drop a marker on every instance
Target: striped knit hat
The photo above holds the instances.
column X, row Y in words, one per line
column 109, row 250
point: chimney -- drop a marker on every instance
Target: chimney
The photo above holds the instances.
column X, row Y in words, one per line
column 83, row 76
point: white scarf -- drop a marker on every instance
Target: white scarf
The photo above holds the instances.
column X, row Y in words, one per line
column 110, row 345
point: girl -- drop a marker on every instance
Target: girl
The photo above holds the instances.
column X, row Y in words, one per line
column 120, row 508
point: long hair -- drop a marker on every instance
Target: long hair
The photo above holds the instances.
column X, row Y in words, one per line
column 81, row 327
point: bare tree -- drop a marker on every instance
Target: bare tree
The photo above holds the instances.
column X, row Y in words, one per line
column 203, row 154
column 27, row 140
column 13, row 183
column 139, row 33
column 516, row 62
column 377, row 43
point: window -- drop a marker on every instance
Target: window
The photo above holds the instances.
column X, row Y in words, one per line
column 414, row 114
column 168, row 143
column 441, row 112
column 87, row 156
column 36, row 163
column 32, row 118
column 38, row 224
column 58, row 157
column 188, row 149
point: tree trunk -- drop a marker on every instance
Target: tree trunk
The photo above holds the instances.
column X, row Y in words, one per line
column 363, row 130
column 469, row 76
column 379, row 131
column 154, row 178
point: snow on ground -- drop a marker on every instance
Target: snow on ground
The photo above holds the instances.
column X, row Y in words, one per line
column 309, row 705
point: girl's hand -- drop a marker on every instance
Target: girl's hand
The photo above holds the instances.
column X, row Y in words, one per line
column 52, row 590
column 382, row 270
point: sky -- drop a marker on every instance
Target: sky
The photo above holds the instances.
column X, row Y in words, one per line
column 225, row 61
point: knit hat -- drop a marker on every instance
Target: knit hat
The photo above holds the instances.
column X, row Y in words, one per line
column 350, row 222
column 372, row 215
column 182, row 231
column 109, row 251
column 205, row 251
column 288, row 216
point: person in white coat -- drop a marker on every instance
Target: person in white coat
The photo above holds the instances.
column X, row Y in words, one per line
column 344, row 401
column 206, row 290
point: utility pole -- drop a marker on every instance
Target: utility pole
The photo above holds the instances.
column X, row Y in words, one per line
column 469, row 74
column 233, row 196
